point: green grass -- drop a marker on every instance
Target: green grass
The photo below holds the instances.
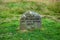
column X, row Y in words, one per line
column 49, row 31
column 10, row 22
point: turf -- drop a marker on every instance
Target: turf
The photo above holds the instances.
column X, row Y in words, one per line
column 10, row 14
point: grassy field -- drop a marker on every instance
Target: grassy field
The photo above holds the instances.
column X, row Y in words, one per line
column 10, row 14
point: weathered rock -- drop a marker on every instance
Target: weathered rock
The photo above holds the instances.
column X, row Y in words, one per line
column 30, row 21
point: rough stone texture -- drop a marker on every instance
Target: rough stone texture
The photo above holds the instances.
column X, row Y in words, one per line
column 30, row 20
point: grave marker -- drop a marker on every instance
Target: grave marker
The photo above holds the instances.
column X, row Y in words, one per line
column 30, row 20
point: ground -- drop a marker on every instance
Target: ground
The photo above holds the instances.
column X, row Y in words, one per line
column 10, row 14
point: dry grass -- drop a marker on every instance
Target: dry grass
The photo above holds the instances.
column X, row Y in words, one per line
column 44, row 1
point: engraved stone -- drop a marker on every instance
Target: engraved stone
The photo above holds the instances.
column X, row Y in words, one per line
column 30, row 20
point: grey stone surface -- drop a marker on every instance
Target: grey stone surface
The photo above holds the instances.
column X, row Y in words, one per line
column 30, row 20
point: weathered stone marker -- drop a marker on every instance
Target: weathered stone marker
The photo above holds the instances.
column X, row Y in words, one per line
column 30, row 20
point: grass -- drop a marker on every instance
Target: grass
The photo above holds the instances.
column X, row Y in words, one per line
column 10, row 22
column 49, row 31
